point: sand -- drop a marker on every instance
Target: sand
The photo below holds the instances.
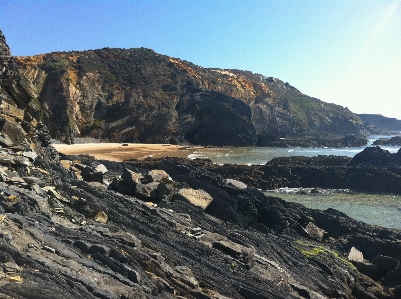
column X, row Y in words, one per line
column 119, row 152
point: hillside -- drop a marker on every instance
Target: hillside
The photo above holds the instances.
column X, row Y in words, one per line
column 380, row 122
column 130, row 95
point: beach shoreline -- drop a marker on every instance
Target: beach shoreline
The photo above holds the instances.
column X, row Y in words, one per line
column 125, row 151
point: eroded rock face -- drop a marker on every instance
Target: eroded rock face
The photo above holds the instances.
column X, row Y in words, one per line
column 139, row 95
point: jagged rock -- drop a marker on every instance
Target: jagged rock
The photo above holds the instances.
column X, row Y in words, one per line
column 237, row 184
column 101, row 168
column 368, row 269
column 99, row 216
column 20, row 160
column 385, row 264
column 31, row 155
column 89, row 174
column 393, row 278
column 12, row 129
column 122, row 187
column 6, row 159
column 52, row 191
column 355, row 255
column 147, row 190
column 11, row 268
column 5, row 140
column 131, row 177
column 99, row 248
column 198, row 197
column 33, row 180
column 165, row 191
column 156, row 176
column 315, row 232
column 371, row 156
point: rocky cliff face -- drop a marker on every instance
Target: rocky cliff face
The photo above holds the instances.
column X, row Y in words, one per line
column 20, row 126
column 139, row 95
column 381, row 123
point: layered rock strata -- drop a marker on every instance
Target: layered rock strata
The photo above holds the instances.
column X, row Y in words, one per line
column 130, row 95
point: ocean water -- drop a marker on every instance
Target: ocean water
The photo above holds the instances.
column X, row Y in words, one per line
column 378, row 209
column 261, row 155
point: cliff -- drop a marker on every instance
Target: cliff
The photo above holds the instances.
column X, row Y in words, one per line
column 381, row 123
column 130, row 95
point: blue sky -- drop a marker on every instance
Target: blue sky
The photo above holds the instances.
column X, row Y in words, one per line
column 343, row 52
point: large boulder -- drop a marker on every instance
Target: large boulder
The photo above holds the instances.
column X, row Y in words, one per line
column 198, row 197
column 355, row 255
column 132, row 177
column 373, row 155
column 385, row 264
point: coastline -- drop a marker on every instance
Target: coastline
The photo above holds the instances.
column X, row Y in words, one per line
column 119, row 152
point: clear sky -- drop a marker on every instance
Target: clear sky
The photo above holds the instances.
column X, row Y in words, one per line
column 343, row 52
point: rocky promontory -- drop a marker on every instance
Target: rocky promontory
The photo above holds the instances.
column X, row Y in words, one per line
column 372, row 170
column 394, row 141
column 379, row 124
column 137, row 95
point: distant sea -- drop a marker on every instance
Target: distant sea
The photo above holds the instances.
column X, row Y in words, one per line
column 261, row 155
column 377, row 209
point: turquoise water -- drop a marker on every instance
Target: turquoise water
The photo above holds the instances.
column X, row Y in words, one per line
column 261, row 155
column 376, row 209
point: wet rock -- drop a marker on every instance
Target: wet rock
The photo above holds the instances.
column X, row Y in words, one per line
column 371, row 156
column 132, row 274
column 82, row 245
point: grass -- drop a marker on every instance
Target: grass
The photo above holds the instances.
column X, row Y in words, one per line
column 315, row 251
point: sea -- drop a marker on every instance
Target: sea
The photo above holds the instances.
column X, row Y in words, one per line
column 377, row 209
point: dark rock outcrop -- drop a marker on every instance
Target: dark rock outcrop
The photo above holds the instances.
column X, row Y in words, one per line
column 138, row 95
column 395, row 141
column 377, row 123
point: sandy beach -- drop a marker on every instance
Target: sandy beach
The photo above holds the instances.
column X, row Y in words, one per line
column 119, row 152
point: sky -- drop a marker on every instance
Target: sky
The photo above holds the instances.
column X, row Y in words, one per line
column 343, row 52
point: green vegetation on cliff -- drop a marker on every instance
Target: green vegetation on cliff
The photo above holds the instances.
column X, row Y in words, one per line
column 139, row 95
